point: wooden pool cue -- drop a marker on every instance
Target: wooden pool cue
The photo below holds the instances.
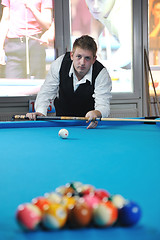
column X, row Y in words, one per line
column 50, row 118
column 155, row 93
column 148, row 100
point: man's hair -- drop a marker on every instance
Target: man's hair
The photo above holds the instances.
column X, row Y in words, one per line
column 86, row 42
column 155, row 2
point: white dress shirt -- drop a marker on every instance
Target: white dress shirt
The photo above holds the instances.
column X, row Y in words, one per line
column 50, row 88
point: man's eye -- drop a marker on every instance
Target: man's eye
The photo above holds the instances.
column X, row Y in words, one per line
column 87, row 58
column 79, row 56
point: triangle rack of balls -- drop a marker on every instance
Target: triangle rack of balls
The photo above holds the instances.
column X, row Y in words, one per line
column 77, row 205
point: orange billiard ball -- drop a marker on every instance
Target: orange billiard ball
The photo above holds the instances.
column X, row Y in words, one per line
column 42, row 203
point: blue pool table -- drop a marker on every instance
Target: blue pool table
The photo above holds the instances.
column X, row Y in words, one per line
column 121, row 157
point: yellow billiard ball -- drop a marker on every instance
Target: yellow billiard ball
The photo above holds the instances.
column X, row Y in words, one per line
column 55, row 217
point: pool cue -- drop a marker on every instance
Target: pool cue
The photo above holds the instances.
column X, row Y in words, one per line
column 27, row 46
column 155, row 93
column 50, row 118
column 149, row 108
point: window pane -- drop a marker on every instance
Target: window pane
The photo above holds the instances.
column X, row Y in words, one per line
column 109, row 22
column 28, row 48
column 154, row 43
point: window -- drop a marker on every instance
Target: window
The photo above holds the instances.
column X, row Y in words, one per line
column 154, row 43
column 29, row 85
column 110, row 23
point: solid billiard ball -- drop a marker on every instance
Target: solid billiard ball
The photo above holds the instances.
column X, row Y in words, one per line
column 42, row 203
column 129, row 214
column 105, row 214
column 79, row 215
column 87, row 189
column 28, row 216
column 68, row 202
column 63, row 133
column 102, row 194
column 55, row 217
column 91, row 200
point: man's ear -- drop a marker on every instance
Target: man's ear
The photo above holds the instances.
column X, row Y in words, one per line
column 94, row 59
column 71, row 55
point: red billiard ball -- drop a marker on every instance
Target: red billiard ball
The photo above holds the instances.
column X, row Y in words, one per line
column 102, row 194
column 28, row 216
column 105, row 214
column 80, row 215
column 129, row 214
column 87, row 189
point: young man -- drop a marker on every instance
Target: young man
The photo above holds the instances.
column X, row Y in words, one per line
column 20, row 19
column 78, row 84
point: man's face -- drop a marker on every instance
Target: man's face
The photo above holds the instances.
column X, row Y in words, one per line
column 156, row 11
column 82, row 61
column 100, row 8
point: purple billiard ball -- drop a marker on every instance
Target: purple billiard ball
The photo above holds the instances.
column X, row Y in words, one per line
column 129, row 214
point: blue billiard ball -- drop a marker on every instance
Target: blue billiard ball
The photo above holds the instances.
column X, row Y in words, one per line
column 129, row 214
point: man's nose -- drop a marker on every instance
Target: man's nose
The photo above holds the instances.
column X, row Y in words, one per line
column 82, row 61
column 95, row 4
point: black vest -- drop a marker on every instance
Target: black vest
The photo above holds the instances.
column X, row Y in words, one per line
column 75, row 103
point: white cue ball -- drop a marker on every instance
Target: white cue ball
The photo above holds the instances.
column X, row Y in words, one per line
column 63, row 133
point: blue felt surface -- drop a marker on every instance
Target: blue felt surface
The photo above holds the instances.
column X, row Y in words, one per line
column 120, row 158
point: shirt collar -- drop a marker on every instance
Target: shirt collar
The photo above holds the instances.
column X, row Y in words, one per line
column 88, row 76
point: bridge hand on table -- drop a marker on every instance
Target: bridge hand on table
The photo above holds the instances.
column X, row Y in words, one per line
column 92, row 115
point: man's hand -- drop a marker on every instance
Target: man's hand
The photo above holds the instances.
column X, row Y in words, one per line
column 48, row 36
column 92, row 115
column 32, row 116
